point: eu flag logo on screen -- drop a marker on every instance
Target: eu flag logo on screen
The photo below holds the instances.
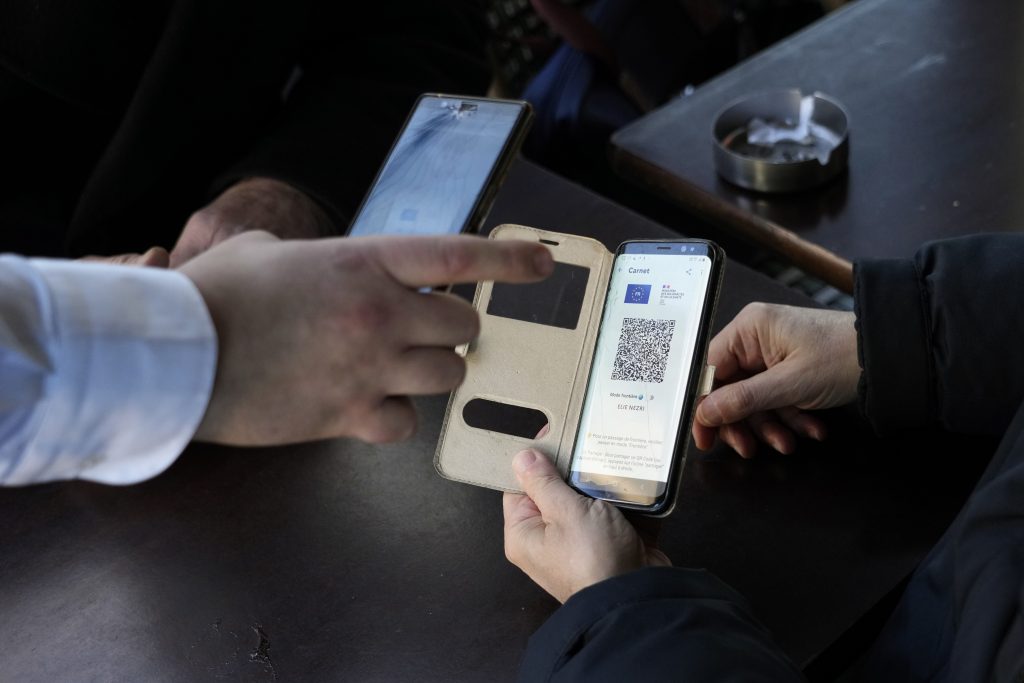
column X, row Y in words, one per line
column 638, row 294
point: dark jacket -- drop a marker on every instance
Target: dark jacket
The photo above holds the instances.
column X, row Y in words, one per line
column 941, row 339
column 119, row 119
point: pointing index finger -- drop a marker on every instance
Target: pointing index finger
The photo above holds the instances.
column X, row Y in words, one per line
column 432, row 261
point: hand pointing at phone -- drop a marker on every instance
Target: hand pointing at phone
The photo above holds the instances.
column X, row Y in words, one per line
column 329, row 338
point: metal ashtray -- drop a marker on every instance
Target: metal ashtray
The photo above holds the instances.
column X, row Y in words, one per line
column 781, row 141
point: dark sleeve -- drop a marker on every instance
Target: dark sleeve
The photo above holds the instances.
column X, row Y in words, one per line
column 940, row 335
column 655, row 624
column 359, row 73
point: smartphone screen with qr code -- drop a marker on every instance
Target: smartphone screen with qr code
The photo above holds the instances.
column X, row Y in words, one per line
column 650, row 352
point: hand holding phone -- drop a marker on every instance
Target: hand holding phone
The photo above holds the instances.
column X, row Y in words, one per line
column 566, row 542
column 445, row 168
column 609, row 352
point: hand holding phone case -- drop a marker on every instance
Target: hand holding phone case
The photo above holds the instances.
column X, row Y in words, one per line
column 535, row 366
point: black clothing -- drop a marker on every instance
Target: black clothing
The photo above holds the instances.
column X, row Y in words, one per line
column 657, row 624
column 939, row 338
column 119, row 121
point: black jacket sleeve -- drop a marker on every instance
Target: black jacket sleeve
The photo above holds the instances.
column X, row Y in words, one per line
column 651, row 625
column 940, row 336
column 359, row 72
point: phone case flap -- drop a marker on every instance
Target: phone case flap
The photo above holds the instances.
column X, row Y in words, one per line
column 520, row 362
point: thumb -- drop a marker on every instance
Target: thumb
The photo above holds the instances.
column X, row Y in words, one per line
column 543, row 483
column 776, row 387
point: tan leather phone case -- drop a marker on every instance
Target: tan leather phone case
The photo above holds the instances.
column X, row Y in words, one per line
column 530, row 365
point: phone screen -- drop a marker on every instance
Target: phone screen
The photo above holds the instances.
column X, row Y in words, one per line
column 439, row 167
column 643, row 365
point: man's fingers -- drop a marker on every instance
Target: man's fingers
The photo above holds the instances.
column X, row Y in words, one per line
column 768, row 390
column 192, row 245
column 524, row 528
column 802, row 423
column 393, row 420
column 543, row 483
column 438, row 319
column 738, row 350
column 425, row 370
column 182, row 255
column 738, row 436
column 192, row 242
column 431, row 261
column 156, row 257
column 518, row 508
column 770, row 431
column 249, row 236
column 720, row 353
column 703, row 435
column 776, row 429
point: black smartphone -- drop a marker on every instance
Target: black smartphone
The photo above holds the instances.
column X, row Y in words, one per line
column 651, row 351
column 445, row 168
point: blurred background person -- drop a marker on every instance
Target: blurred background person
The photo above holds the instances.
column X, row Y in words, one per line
column 178, row 123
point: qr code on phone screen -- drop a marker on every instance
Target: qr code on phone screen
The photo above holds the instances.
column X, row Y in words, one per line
column 643, row 350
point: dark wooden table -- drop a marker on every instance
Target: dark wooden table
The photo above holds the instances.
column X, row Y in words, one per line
column 935, row 94
column 338, row 561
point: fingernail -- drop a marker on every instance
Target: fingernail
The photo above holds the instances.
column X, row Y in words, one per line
column 543, row 263
column 523, row 459
column 708, row 413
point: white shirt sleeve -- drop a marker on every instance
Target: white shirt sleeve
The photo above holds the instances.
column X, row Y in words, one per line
column 105, row 370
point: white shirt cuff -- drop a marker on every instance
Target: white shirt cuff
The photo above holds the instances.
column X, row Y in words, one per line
column 134, row 354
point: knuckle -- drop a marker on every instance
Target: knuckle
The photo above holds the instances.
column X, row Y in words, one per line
column 348, row 259
column 350, row 386
column 372, row 435
column 740, row 400
column 378, row 432
column 202, row 220
column 457, row 258
column 547, row 488
column 757, row 310
column 771, row 312
column 599, row 509
column 364, row 317
column 258, row 236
